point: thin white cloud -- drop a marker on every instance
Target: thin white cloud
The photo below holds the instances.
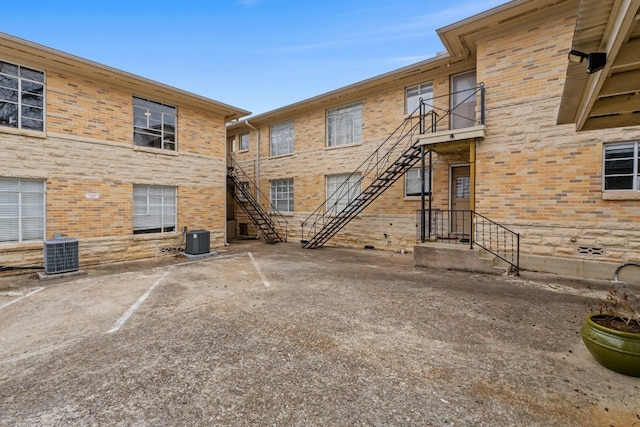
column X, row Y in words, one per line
column 419, row 27
column 248, row 3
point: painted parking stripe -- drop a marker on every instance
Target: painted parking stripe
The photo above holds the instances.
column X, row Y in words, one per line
column 123, row 319
column 265, row 282
column 36, row 290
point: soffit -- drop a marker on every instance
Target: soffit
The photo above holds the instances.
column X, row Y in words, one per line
column 38, row 56
column 611, row 97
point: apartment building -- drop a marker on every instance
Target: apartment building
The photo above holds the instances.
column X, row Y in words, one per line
column 500, row 137
column 122, row 164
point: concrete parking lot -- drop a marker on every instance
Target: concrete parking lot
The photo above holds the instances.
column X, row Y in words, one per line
column 278, row 335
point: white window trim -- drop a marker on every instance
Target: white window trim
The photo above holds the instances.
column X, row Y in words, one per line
column 44, row 100
column 275, row 132
column 347, row 185
column 248, row 140
column 20, row 216
column 636, row 172
column 164, row 115
column 356, row 130
column 428, row 100
column 427, row 189
column 138, row 229
column 273, row 198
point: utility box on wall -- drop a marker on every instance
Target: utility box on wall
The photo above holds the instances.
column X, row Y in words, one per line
column 61, row 255
column 198, row 242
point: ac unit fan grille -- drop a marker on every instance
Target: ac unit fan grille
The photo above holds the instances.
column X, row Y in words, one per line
column 61, row 256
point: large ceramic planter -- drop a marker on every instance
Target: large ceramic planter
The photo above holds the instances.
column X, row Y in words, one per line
column 618, row 351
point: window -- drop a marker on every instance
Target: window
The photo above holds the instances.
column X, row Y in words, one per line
column 21, row 97
column 282, row 194
column 463, row 100
column 413, row 95
column 621, row 171
column 22, row 208
column 154, row 124
column 154, row 209
column 413, row 183
column 341, row 190
column 344, row 125
column 282, row 138
column 244, row 141
column 243, row 191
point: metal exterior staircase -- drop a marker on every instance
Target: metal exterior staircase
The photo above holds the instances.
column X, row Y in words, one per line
column 395, row 156
column 272, row 225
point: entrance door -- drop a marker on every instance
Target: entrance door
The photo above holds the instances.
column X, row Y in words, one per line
column 461, row 201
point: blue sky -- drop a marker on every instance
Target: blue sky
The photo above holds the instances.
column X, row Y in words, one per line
column 253, row 54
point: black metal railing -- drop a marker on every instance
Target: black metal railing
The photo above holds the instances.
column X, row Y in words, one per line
column 271, row 223
column 391, row 159
column 470, row 228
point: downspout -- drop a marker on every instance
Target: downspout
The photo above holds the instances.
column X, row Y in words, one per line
column 257, row 171
column 226, row 171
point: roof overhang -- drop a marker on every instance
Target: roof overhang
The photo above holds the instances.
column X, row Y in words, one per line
column 460, row 40
column 38, row 56
column 608, row 98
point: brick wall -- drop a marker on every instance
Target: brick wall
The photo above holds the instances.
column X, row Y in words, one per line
column 540, row 179
column 88, row 148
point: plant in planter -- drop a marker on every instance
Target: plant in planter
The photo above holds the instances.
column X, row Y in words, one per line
column 612, row 329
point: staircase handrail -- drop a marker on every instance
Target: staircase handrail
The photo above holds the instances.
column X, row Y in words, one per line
column 378, row 162
column 273, row 215
column 509, row 253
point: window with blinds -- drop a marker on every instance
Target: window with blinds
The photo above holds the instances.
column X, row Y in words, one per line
column 22, row 210
column 342, row 189
column 154, row 209
column 413, row 183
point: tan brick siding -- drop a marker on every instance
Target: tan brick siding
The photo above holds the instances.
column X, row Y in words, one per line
column 540, row 179
column 88, row 148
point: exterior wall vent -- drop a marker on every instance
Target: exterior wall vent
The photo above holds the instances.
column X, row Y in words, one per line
column 198, row 242
column 60, row 255
column 590, row 250
column 244, row 229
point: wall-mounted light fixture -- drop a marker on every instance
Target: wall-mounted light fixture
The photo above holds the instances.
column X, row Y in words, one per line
column 595, row 61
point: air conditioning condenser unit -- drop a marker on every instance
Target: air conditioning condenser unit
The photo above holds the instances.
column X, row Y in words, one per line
column 61, row 255
column 197, row 242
